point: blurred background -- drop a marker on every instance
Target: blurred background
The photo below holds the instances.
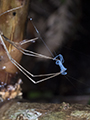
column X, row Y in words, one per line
column 64, row 26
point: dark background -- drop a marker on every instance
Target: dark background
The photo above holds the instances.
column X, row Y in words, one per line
column 74, row 46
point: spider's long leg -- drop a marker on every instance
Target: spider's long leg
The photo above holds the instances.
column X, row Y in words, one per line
column 27, row 41
column 23, row 70
column 35, row 82
column 11, row 10
column 30, row 54
column 27, row 52
column 41, row 38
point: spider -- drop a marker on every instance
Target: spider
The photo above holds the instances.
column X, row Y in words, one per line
column 31, row 53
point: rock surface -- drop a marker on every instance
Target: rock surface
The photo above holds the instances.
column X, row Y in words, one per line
column 23, row 110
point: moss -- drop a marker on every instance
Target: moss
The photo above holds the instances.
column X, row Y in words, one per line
column 54, row 116
column 29, row 114
column 81, row 114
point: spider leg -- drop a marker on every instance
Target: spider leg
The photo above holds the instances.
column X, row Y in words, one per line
column 35, row 82
column 24, row 71
column 27, row 52
column 11, row 10
column 27, row 41
column 41, row 37
column 31, row 53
